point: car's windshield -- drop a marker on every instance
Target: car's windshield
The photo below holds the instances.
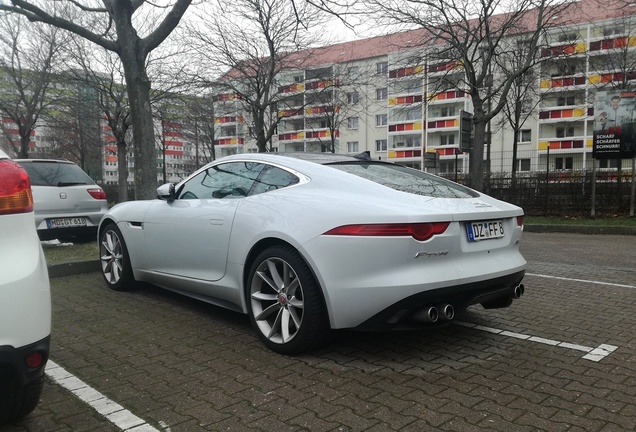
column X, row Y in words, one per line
column 405, row 179
column 55, row 174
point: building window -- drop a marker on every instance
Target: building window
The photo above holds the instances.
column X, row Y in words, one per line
column 448, row 111
column 381, row 93
column 523, row 164
column 525, row 136
column 565, row 101
column 568, row 37
column 352, row 146
column 353, row 98
column 353, row 72
column 608, row 163
column 447, row 139
column 382, row 68
column 565, row 131
column 352, row 122
column 380, row 145
column 564, row 163
column 380, row 120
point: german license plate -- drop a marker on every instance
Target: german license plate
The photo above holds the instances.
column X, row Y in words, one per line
column 66, row 222
column 485, row 230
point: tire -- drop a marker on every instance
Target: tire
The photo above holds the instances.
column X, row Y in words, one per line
column 115, row 260
column 16, row 402
column 284, row 302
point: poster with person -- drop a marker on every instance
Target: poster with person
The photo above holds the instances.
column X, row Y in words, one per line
column 614, row 125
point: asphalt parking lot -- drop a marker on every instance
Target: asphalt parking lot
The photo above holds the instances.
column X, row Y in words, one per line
column 562, row 358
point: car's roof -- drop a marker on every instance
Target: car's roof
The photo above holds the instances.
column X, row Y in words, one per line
column 44, row 160
column 324, row 158
column 317, row 158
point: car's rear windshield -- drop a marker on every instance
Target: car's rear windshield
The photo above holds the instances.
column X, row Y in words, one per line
column 406, row 179
column 44, row 173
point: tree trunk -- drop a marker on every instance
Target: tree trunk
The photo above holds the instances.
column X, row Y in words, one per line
column 122, row 165
column 476, row 157
column 142, row 125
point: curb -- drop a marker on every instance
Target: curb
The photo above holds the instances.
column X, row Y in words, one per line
column 580, row 229
column 73, row 268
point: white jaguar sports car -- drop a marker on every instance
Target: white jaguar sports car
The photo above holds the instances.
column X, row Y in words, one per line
column 309, row 243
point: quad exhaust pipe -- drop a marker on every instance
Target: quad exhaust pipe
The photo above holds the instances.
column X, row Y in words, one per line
column 432, row 314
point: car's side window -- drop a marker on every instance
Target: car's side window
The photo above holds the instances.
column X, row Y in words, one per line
column 228, row 180
column 272, row 178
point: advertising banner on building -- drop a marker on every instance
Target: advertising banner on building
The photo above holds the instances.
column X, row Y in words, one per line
column 614, row 125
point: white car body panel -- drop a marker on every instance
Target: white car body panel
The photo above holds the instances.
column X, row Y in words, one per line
column 359, row 276
column 25, row 297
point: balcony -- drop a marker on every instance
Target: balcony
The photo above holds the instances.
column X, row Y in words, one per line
column 405, row 100
column 612, row 43
column 563, row 81
column 230, row 141
column 292, row 88
column 442, row 124
column 568, row 143
column 405, row 127
column 292, row 136
column 564, row 50
column 320, row 134
column 406, row 71
column 572, row 114
column 446, row 96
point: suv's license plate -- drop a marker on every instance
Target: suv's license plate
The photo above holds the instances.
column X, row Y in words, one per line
column 66, row 222
column 485, row 230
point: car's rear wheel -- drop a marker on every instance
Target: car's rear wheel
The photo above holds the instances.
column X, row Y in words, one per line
column 17, row 401
column 114, row 258
column 285, row 303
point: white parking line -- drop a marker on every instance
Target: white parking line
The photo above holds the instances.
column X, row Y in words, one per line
column 113, row 412
column 594, row 354
column 581, row 280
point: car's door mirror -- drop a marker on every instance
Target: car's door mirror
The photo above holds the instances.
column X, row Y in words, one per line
column 166, row 192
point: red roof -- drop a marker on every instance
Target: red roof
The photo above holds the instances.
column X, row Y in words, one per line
column 577, row 12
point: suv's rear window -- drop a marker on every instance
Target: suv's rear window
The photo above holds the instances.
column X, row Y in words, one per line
column 406, row 179
column 44, row 173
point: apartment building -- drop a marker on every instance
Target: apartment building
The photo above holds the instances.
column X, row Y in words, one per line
column 400, row 110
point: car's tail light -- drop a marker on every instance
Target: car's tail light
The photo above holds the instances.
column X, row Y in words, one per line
column 97, row 193
column 15, row 189
column 34, row 360
column 419, row 231
column 520, row 221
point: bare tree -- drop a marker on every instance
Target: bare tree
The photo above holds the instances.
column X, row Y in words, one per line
column 27, row 64
column 520, row 105
column 101, row 71
column 472, row 36
column 111, row 25
column 253, row 41
column 75, row 131
column 199, row 129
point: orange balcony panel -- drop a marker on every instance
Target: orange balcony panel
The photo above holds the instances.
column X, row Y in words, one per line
column 110, row 158
column 109, row 138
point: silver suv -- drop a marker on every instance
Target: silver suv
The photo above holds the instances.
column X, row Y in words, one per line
column 25, row 297
column 68, row 204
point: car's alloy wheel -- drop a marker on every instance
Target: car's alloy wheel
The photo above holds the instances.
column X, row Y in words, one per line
column 114, row 258
column 285, row 304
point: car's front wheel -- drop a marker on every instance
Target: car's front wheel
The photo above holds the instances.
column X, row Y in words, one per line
column 114, row 258
column 284, row 302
